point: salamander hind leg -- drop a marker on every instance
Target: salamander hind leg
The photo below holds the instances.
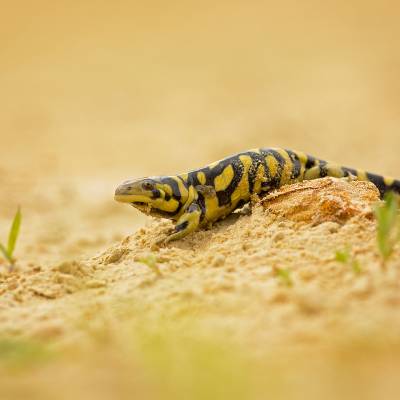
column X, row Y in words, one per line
column 187, row 223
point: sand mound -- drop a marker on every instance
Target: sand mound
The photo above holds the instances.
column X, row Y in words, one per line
column 297, row 229
column 323, row 200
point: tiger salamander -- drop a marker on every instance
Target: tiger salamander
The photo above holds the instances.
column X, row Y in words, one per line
column 203, row 196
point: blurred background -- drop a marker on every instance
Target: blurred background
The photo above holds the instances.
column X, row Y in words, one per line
column 94, row 88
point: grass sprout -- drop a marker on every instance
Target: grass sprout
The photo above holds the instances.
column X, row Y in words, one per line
column 345, row 257
column 8, row 252
column 284, row 276
column 388, row 226
column 151, row 261
column 356, row 267
column 21, row 353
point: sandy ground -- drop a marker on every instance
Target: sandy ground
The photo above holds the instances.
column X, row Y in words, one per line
column 92, row 95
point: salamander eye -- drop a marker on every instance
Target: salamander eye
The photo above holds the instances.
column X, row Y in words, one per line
column 147, row 186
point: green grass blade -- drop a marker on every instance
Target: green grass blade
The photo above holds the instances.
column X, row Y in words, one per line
column 388, row 232
column 14, row 231
column 356, row 267
column 284, row 276
column 5, row 253
column 342, row 256
column 151, row 261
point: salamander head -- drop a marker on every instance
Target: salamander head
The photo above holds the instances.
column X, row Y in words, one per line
column 149, row 195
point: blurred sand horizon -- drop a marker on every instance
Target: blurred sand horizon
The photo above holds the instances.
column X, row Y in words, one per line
column 161, row 87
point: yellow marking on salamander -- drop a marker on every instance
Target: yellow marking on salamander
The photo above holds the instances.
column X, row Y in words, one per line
column 192, row 196
column 287, row 168
column 222, row 181
column 167, row 189
column 182, row 188
column 334, row 170
column 242, row 189
column 303, row 158
column 171, row 205
column 362, row 175
column 312, row 173
column 272, row 164
column 260, row 174
column 388, row 181
column 213, row 210
column 201, row 176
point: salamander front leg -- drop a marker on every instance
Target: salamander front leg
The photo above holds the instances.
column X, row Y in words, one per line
column 187, row 223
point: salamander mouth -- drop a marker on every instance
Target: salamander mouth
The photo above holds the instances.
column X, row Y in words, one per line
column 142, row 206
column 139, row 203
